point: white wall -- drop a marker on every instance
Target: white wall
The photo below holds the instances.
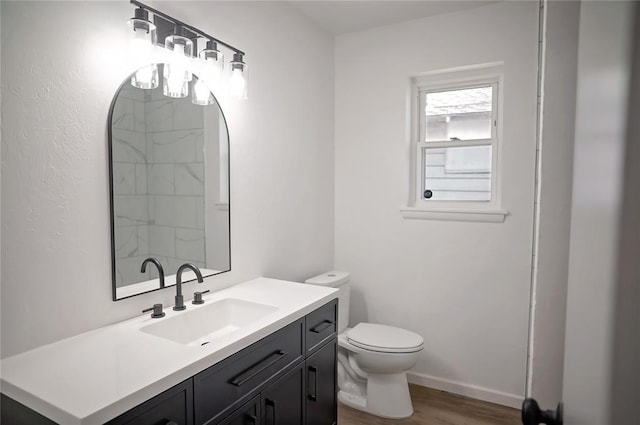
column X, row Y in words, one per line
column 61, row 64
column 463, row 286
column 597, row 205
column 554, row 203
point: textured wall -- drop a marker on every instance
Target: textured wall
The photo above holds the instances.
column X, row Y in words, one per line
column 463, row 286
column 61, row 65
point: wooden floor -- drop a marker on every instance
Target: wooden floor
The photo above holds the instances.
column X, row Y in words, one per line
column 433, row 407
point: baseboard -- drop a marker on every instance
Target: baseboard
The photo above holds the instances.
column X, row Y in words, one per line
column 467, row 390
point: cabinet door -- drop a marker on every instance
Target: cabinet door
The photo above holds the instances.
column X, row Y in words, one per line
column 172, row 407
column 248, row 414
column 282, row 402
column 321, row 395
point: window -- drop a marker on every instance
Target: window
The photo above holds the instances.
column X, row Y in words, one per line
column 455, row 134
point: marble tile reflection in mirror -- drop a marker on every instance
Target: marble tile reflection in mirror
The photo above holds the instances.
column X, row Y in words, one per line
column 169, row 187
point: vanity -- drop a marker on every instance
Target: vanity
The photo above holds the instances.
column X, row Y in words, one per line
column 261, row 352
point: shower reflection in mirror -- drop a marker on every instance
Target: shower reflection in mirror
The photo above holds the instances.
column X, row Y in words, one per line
column 169, row 163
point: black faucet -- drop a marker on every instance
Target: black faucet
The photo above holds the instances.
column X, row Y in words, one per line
column 157, row 264
column 179, row 298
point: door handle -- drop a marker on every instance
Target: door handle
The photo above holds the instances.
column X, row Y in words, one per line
column 533, row 415
column 314, row 396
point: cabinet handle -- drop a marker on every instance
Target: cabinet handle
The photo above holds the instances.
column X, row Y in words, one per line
column 250, row 419
column 257, row 368
column 272, row 404
column 314, row 396
column 321, row 326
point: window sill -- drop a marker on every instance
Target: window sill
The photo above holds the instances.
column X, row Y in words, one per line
column 455, row 214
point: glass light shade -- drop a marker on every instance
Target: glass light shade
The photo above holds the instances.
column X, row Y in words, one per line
column 144, row 36
column 146, row 77
column 178, row 42
column 174, row 86
column 213, row 61
column 238, row 78
column 141, row 49
column 201, row 94
column 182, row 49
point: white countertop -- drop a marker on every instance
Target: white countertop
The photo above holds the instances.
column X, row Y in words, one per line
column 94, row 377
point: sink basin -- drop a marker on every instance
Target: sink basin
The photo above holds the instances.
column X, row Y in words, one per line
column 217, row 319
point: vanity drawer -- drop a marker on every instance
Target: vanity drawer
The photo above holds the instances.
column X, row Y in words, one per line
column 221, row 388
column 321, row 325
column 170, row 407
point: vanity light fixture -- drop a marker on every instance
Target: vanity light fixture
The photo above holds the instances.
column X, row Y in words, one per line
column 176, row 72
column 213, row 63
column 179, row 41
column 238, row 79
column 141, row 46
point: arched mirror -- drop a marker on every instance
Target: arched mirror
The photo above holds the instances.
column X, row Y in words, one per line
column 169, row 181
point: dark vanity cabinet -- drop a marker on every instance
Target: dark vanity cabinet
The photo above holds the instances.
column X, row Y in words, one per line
column 286, row 378
column 283, row 401
column 320, row 399
column 305, row 394
column 321, row 396
column 225, row 386
column 248, row 414
column 169, row 408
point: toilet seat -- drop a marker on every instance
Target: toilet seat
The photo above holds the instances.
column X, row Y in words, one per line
column 384, row 339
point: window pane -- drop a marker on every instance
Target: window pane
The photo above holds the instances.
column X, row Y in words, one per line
column 463, row 114
column 457, row 174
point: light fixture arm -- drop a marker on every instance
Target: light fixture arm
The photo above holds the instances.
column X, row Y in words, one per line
column 187, row 26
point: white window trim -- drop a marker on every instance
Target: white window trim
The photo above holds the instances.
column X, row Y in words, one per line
column 489, row 211
column 455, row 214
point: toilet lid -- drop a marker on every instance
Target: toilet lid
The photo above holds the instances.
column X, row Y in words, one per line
column 386, row 339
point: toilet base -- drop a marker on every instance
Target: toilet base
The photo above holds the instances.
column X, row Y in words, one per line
column 387, row 396
column 354, row 401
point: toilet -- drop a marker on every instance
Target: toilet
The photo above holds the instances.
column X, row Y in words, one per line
column 372, row 359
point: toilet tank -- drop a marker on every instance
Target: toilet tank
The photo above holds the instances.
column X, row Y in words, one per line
column 340, row 281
